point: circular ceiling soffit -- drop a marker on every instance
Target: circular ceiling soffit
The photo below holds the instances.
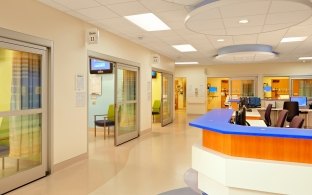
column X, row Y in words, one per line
column 223, row 17
column 246, row 53
column 185, row 2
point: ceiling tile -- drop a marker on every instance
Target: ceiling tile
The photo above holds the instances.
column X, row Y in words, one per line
column 245, row 9
column 286, row 7
column 306, row 22
column 274, row 27
column 298, row 31
column 201, row 25
column 80, row 16
column 160, row 5
column 110, row 2
column 173, row 16
column 244, row 30
column 129, row 8
column 245, row 39
column 271, row 38
column 252, row 21
column 98, row 13
column 283, row 18
column 287, row 47
column 211, row 15
column 55, row 5
column 228, row 40
column 78, row 4
column 122, row 25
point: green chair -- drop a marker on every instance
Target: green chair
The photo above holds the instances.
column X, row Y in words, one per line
column 156, row 108
column 107, row 121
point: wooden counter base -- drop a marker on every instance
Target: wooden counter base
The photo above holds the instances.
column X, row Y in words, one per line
column 268, row 148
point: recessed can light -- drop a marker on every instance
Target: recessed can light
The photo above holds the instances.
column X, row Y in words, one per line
column 220, row 40
column 243, row 21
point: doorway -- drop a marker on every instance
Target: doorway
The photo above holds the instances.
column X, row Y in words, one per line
column 217, row 92
column 113, row 107
column 162, row 98
column 180, row 93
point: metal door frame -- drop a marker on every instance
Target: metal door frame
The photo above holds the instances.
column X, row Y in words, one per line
column 136, row 133
column 29, row 175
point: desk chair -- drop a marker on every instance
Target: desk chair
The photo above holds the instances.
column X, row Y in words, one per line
column 296, row 122
column 156, row 108
column 281, row 118
column 107, row 121
column 267, row 115
column 293, row 110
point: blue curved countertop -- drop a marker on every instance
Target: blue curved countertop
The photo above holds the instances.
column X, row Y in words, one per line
column 218, row 121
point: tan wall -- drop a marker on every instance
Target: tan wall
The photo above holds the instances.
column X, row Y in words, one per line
column 70, row 57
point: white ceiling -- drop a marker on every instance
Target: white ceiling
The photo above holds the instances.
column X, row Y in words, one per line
column 108, row 14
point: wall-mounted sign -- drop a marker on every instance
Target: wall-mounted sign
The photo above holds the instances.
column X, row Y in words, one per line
column 93, row 36
column 155, row 59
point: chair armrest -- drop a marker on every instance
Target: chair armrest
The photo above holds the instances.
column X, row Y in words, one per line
column 98, row 115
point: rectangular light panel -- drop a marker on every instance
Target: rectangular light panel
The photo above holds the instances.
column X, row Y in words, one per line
column 148, row 22
column 183, row 63
column 292, row 39
column 184, row 48
column 305, row 58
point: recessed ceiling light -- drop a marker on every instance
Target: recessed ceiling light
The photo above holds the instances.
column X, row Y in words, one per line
column 148, row 22
column 292, row 39
column 183, row 63
column 184, row 48
column 243, row 21
column 305, row 58
column 220, row 40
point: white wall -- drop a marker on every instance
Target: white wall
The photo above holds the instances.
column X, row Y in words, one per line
column 195, row 78
column 70, row 57
column 197, row 75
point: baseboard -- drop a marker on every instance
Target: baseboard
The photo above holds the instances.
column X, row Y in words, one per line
column 146, row 131
column 69, row 162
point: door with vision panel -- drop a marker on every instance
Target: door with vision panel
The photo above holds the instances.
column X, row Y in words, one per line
column 166, row 99
column 126, row 107
column 23, row 114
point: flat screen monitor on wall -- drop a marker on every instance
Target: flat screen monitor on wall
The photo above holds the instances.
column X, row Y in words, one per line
column 302, row 100
column 98, row 66
column 154, row 74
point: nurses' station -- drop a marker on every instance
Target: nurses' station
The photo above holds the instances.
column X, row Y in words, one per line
column 251, row 160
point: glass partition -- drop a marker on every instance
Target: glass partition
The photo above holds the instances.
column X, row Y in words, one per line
column 276, row 87
column 302, row 87
column 241, row 87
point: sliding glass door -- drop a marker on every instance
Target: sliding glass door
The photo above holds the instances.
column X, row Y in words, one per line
column 166, row 99
column 23, row 114
column 126, row 107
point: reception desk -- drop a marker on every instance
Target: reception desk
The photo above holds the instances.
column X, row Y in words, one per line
column 243, row 160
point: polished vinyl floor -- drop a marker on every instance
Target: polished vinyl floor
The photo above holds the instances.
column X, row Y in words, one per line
column 152, row 164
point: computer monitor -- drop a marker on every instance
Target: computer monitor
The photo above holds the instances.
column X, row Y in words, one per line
column 254, row 102
column 154, row 74
column 213, row 89
column 302, row 100
column 267, row 88
column 240, row 116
